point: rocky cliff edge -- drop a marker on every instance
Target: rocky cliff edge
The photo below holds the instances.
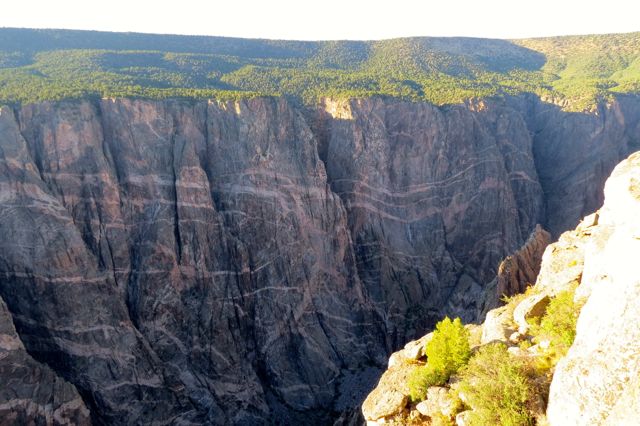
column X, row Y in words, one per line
column 594, row 382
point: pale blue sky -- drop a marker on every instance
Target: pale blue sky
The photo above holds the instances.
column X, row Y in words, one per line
column 330, row 19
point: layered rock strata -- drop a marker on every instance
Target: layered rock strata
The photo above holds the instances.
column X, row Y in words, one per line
column 181, row 262
column 597, row 381
column 30, row 392
column 236, row 262
column 435, row 198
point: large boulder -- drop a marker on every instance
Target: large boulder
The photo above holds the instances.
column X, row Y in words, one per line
column 626, row 410
column 437, row 402
column 531, row 307
column 412, row 351
column 416, row 348
column 390, row 397
column 563, row 261
column 497, row 326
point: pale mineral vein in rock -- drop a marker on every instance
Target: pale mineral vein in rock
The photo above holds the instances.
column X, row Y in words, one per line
column 238, row 262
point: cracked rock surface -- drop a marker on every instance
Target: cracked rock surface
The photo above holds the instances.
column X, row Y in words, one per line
column 249, row 263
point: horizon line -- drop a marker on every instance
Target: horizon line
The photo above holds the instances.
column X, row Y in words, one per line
column 316, row 40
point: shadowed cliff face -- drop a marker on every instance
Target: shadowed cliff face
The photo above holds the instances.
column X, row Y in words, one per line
column 187, row 262
column 575, row 153
column 435, row 199
column 181, row 260
column 31, row 393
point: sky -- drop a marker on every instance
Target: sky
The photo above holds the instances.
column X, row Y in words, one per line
column 330, row 19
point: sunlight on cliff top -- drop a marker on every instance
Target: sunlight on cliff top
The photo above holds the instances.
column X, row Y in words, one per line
column 339, row 109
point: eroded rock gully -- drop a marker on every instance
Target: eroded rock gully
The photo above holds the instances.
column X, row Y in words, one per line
column 242, row 262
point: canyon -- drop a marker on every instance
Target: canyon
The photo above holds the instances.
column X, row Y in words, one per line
column 255, row 261
column 569, row 341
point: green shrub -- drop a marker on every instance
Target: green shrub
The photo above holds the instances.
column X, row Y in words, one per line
column 499, row 387
column 447, row 352
column 449, row 348
column 559, row 321
column 558, row 326
column 442, row 420
column 422, row 378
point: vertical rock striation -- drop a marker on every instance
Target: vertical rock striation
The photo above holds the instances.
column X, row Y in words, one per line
column 181, row 262
column 436, row 198
column 519, row 270
column 31, row 393
column 226, row 262
column 576, row 152
column 66, row 304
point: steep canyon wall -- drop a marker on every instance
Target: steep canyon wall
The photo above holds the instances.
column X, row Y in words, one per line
column 247, row 262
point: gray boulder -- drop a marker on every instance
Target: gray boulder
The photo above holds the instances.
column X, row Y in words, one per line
column 531, row 307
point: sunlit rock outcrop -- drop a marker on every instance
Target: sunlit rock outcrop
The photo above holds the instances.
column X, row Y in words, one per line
column 598, row 381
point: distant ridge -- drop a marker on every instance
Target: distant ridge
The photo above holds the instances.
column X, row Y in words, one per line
column 574, row 71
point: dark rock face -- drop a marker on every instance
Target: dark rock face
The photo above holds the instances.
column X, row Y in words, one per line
column 435, row 199
column 194, row 264
column 31, row 393
column 575, row 153
column 518, row 270
column 228, row 263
